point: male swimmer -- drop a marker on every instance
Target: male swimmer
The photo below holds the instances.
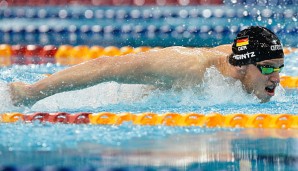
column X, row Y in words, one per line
column 255, row 58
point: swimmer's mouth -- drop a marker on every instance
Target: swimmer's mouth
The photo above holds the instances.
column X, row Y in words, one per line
column 270, row 89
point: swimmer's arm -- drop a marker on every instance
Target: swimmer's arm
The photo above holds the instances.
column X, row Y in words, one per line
column 141, row 68
column 149, row 67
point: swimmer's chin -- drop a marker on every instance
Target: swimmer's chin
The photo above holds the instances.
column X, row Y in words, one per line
column 259, row 97
column 264, row 99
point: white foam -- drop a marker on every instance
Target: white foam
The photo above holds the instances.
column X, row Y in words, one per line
column 92, row 97
column 216, row 89
column 280, row 95
column 225, row 89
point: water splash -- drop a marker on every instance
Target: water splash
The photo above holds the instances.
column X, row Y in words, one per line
column 5, row 100
column 280, row 95
column 92, row 98
column 215, row 90
column 221, row 90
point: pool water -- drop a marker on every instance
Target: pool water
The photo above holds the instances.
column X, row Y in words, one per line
column 30, row 145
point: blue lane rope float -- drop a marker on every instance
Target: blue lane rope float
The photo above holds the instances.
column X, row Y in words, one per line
column 148, row 13
column 236, row 120
column 145, row 29
column 123, row 29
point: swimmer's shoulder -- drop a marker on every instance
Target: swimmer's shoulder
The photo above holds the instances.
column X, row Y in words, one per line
column 175, row 51
column 223, row 48
column 226, row 48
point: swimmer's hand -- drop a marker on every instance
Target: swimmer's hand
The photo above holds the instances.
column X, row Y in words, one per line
column 19, row 93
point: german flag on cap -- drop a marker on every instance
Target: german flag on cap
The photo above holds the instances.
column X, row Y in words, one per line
column 242, row 41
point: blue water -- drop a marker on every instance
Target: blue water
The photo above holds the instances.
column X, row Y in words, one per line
column 148, row 147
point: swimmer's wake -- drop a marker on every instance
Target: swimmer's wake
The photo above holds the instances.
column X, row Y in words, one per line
column 6, row 104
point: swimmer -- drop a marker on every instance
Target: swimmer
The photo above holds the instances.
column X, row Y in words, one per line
column 255, row 58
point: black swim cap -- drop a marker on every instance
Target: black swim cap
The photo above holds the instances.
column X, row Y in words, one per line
column 255, row 44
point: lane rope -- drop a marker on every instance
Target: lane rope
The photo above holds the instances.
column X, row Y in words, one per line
column 236, row 120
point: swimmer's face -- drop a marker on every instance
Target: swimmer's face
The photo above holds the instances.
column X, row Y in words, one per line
column 262, row 85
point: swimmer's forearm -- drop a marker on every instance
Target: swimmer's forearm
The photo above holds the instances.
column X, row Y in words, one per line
column 88, row 74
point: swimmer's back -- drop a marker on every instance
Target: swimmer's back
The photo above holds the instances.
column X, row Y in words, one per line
column 183, row 64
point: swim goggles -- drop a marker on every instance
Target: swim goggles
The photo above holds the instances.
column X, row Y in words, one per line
column 268, row 69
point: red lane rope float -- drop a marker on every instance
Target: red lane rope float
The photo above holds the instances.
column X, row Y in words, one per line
column 237, row 120
column 60, row 117
column 64, row 54
column 108, row 3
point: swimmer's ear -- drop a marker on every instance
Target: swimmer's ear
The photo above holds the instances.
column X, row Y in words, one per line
column 241, row 69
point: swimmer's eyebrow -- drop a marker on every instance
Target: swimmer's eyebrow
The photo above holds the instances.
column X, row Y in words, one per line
column 272, row 63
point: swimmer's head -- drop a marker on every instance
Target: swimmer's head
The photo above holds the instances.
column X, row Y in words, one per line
column 255, row 44
column 258, row 58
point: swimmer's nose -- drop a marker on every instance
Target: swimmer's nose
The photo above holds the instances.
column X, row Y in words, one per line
column 274, row 77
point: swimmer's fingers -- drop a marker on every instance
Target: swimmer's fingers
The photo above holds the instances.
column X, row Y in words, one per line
column 18, row 93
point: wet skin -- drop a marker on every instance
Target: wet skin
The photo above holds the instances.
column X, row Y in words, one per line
column 263, row 86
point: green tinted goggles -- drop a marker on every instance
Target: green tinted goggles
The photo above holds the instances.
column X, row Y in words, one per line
column 268, row 69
